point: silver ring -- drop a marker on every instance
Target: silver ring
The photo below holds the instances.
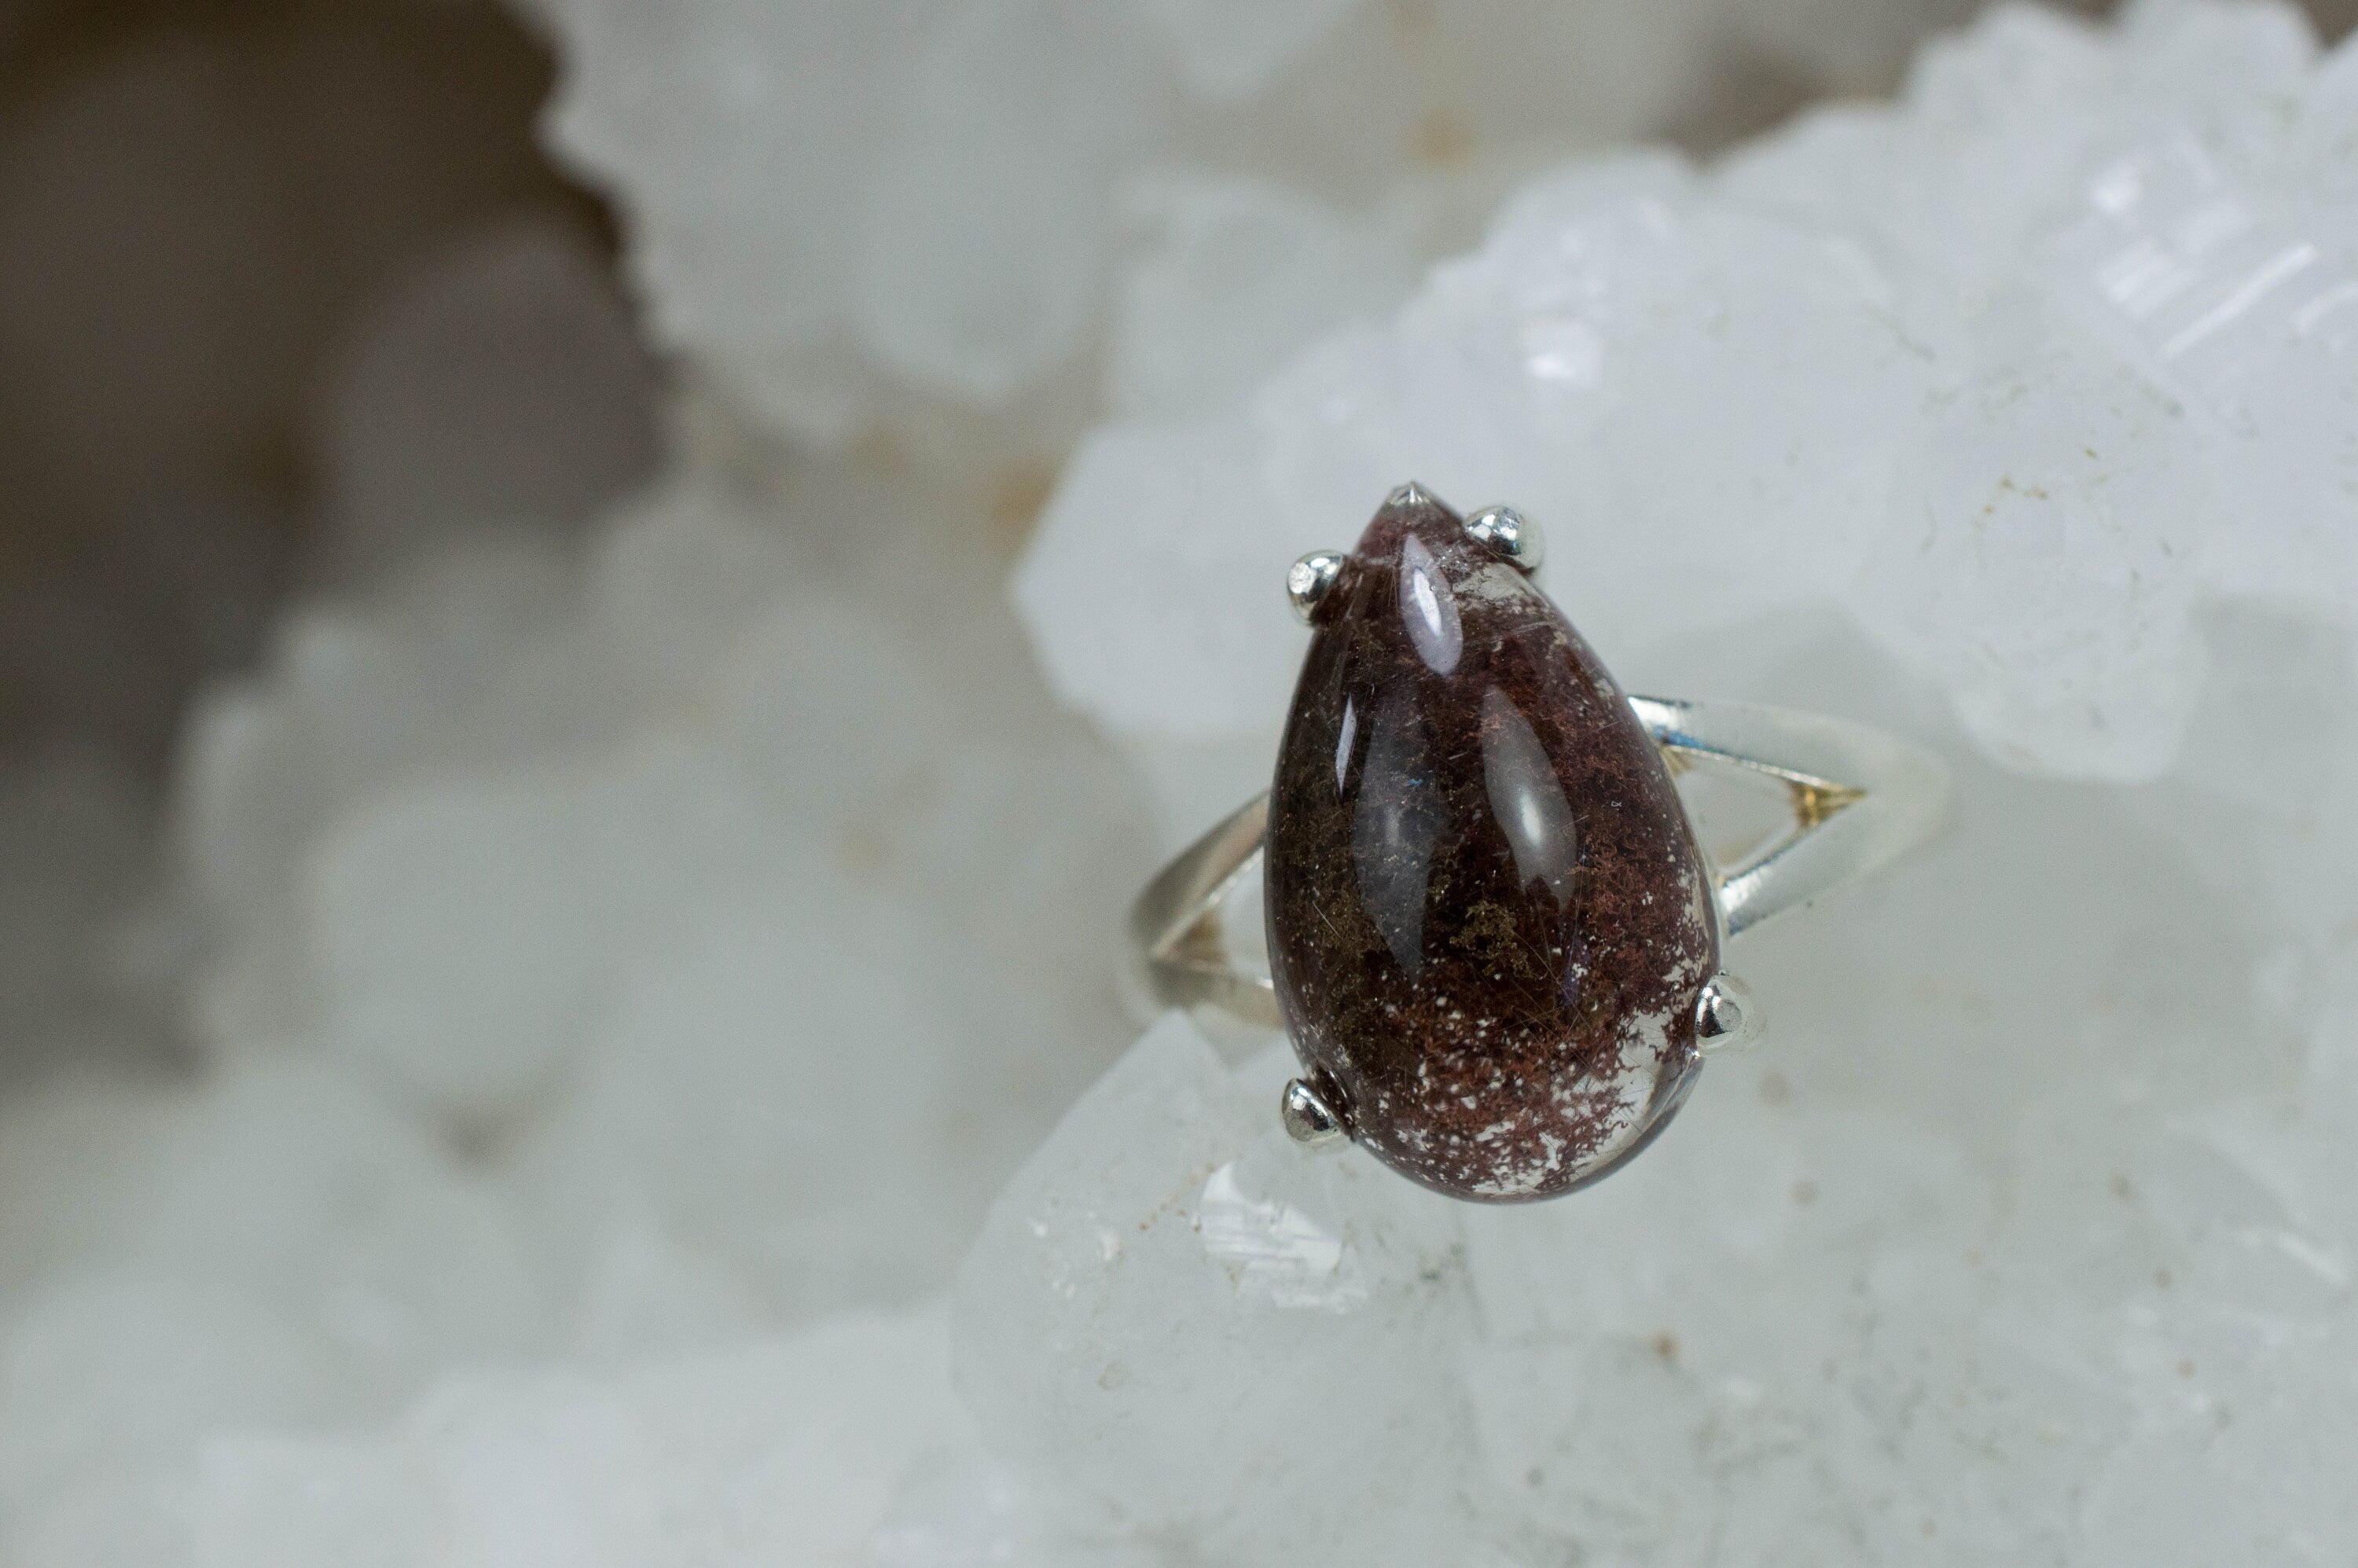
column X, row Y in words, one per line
column 1491, row 934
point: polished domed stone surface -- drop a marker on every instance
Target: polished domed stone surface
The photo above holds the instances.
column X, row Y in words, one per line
column 1487, row 920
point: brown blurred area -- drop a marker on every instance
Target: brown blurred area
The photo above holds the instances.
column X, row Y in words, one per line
column 231, row 232
column 288, row 286
column 2334, row 18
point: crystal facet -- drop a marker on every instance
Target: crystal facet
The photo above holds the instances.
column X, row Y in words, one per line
column 1489, row 923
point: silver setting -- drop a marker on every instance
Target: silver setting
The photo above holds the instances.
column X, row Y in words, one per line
column 1178, row 955
column 1309, row 1120
column 1859, row 798
column 1511, row 533
column 1726, row 1018
column 1309, row 580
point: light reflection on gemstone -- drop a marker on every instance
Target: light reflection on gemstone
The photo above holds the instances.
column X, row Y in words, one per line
column 1528, row 798
column 1343, row 743
column 1429, row 608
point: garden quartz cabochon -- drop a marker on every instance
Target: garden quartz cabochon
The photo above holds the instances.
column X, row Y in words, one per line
column 1489, row 922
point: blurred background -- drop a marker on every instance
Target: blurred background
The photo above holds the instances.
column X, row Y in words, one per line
column 483, row 487
column 291, row 292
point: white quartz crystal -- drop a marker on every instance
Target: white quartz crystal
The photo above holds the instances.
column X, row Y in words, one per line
column 780, row 1451
column 1995, row 368
column 2030, row 1240
column 847, row 209
column 1228, row 49
column 617, row 952
column 1186, row 1282
column 1233, row 276
column 642, row 990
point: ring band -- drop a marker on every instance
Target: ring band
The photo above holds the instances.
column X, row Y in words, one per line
column 1504, row 943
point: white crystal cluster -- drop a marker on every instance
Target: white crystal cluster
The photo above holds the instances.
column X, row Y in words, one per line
column 852, row 209
column 2020, row 407
column 623, row 976
column 2022, row 372
column 606, row 955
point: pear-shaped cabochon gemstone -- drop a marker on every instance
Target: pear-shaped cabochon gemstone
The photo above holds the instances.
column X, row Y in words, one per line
column 1487, row 920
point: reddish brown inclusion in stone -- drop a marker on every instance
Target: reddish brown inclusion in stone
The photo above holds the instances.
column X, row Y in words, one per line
column 1487, row 920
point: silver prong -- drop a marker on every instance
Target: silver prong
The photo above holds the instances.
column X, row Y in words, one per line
column 1509, row 533
column 1309, row 1120
column 1310, row 579
column 1726, row 1018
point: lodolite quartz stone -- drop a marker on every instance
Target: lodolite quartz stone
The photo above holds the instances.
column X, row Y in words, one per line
column 1489, row 923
